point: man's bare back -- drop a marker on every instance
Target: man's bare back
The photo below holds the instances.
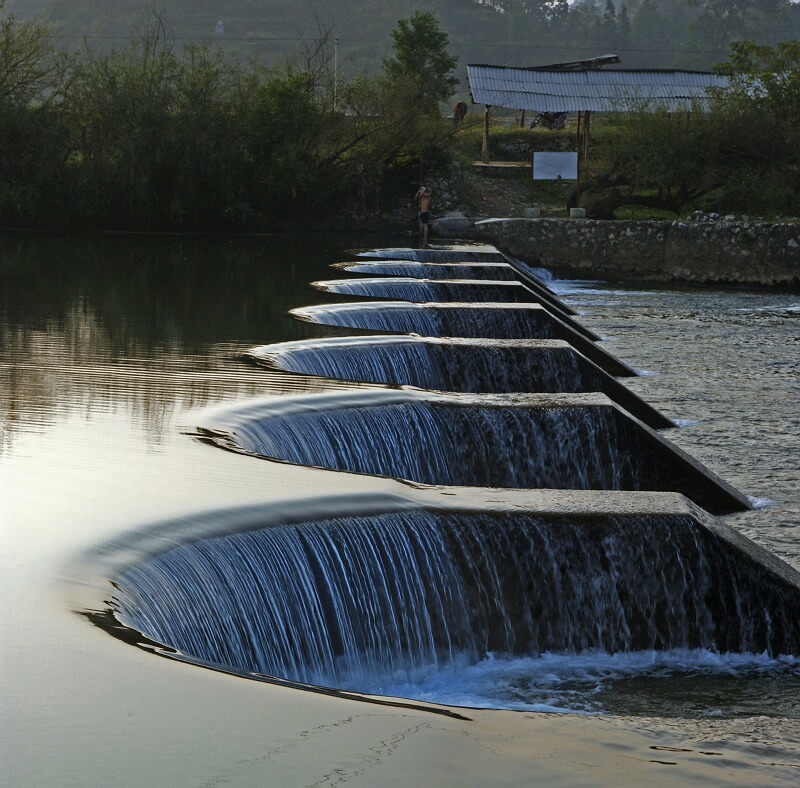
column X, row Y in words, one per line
column 423, row 199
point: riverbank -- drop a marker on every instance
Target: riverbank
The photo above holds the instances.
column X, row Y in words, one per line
column 703, row 249
column 719, row 252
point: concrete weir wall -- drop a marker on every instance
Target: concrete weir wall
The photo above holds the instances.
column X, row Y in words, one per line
column 720, row 252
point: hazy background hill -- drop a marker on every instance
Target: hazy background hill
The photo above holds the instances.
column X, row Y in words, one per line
column 644, row 33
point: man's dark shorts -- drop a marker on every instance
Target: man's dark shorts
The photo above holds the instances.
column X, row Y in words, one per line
column 424, row 216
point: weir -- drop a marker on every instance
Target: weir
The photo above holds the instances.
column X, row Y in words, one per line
column 463, row 365
column 520, row 441
column 510, row 271
column 550, row 523
column 459, row 290
column 485, row 320
column 452, row 254
column 497, row 272
column 383, row 589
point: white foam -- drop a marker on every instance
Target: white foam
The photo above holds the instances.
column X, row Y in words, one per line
column 760, row 503
column 568, row 683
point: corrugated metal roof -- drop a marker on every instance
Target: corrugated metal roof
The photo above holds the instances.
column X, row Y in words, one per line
column 608, row 90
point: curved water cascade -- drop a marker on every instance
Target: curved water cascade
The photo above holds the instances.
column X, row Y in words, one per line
column 520, row 441
column 497, row 272
column 451, row 254
column 463, row 365
column 472, row 271
column 370, row 598
column 458, row 290
column 397, row 598
column 488, row 321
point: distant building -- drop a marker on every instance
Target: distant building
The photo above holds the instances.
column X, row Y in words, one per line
column 557, row 89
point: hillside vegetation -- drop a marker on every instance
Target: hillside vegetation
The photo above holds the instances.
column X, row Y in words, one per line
column 164, row 133
column 644, row 33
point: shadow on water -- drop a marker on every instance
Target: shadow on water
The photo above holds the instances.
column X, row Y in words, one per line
column 106, row 620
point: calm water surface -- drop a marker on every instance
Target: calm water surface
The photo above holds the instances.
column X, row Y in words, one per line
column 110, row 347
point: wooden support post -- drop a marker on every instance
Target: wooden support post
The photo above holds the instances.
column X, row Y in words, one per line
column 586, row 135
column 485, row 145
column 578, row 146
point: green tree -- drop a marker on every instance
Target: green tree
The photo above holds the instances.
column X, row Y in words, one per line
column 761, row 116
column 32, row 136
column 766, row 78
column 722, row 21
column 212, row 181
column 657, row 158
column 282, row 126
column 649, row 30
column 740, row 151
column 421, row 59
column 623, row 28
column 121, row 107
column 30, row 70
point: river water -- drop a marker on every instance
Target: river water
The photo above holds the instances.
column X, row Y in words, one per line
column 112, row 349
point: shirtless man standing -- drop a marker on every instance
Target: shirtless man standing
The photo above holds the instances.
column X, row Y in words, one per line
column 423, row 197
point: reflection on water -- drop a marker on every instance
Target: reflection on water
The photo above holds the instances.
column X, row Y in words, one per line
column 152, row 326
column 135, row 332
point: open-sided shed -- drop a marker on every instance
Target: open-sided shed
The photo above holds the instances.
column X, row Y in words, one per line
column 586, row 90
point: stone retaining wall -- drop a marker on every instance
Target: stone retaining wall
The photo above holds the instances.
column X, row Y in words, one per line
column 655, row 251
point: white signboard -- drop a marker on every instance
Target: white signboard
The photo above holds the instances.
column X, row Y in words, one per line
column 549, row 166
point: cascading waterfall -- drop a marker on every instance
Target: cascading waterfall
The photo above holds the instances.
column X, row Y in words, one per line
column 446, row 366
column 423, row 290
column 404, row 362
column 552, row 448
column 355, row 601
column 487, row 321
column 463, row 365
column 395, row 317
column 548, row 441
column 497, row 369
column 491, row 271
column 521, row 323
column 437, row 320
column 370, row 601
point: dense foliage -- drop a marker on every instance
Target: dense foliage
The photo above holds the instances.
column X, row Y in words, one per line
column 153, row 136
column 158, row 134
column 743, row 154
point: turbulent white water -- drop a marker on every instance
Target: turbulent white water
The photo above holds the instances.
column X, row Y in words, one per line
column 678, row 682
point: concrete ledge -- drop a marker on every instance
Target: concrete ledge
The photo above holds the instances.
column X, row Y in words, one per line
column 661, row 251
